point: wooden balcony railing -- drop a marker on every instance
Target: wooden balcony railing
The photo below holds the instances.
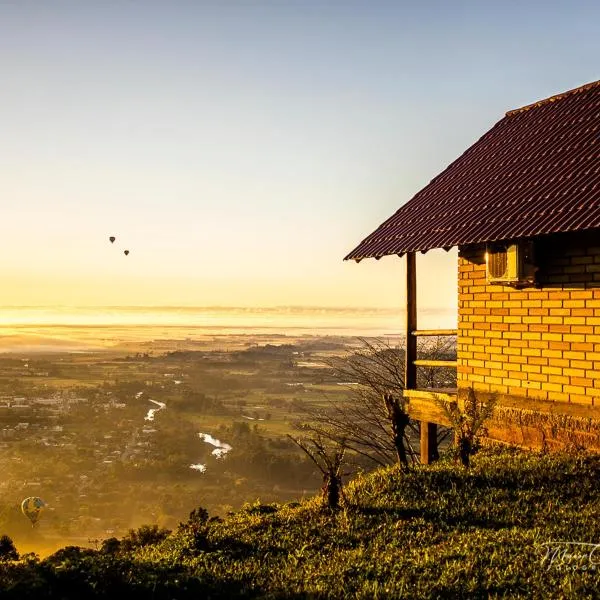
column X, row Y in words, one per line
column 428, row 426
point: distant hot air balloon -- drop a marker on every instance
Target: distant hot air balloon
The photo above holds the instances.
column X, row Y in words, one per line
column 32, row 507
column 126, row 252
column 112, row 238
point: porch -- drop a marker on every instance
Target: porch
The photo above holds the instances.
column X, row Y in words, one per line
column 423, row 405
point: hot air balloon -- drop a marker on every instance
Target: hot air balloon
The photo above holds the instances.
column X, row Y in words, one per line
column 112, row 238
column 126, row 252
column 32, row 507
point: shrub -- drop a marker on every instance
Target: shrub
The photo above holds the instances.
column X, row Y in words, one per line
column 8, row 550
column 146, row 535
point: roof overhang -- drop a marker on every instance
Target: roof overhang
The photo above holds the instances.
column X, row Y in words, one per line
column 536, row 172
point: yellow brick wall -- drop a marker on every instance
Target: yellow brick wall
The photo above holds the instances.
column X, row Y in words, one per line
column 539, row 342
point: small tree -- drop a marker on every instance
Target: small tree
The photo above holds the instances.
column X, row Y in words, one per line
column 373, row 421
column 330, row 464
column 8, row 551
column 399, row 421
column 146, row 535
column 468, row 424
column 196, row 529
column 110, row 545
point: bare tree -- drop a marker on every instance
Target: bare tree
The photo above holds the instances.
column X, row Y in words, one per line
column 399, row 421
column 329, row 462
column 468, row 424
column 373, row 421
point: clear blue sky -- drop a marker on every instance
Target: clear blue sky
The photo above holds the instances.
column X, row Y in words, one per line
column 240, row 149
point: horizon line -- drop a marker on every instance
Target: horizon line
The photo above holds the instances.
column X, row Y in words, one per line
column 221, row 307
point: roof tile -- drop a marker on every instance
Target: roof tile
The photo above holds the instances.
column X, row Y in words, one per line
column 537, row 171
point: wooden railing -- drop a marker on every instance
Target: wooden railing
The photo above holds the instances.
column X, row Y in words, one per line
column 427, row 362
column 428, row 429
column 428, row 445
column 435, row 363
column 434, row 332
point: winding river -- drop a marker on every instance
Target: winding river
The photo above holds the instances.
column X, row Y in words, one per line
column 220, row 448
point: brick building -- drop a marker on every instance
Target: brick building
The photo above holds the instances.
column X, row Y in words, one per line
column 523, row 207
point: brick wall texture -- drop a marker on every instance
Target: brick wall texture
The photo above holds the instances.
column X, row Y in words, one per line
column 538, row 342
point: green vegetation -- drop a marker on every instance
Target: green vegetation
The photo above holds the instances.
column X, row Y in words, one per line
column 119, row 485
column 74, row 431
column 497, row 530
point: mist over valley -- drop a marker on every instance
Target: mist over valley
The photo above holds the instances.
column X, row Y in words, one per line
column 147, row 431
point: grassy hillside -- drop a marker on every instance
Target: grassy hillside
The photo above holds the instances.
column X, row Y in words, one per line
column 438, row 532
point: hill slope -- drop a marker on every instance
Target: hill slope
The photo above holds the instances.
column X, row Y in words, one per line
column 499, row 530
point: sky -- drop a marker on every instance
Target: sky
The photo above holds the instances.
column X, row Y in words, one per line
column 240, row 149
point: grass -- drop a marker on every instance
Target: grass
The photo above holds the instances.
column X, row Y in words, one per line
column 437, row 532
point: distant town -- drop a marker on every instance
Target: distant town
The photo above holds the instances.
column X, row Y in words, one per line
column 113, row 440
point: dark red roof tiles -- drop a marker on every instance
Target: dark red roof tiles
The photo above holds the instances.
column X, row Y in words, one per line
column 537, row 171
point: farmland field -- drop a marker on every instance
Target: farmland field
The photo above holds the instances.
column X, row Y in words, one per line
column 112, row 438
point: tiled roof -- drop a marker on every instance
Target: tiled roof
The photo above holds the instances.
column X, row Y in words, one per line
column 537, row 171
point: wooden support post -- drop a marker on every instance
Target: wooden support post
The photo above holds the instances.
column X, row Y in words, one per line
column 429, row 449
column 410, row 373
